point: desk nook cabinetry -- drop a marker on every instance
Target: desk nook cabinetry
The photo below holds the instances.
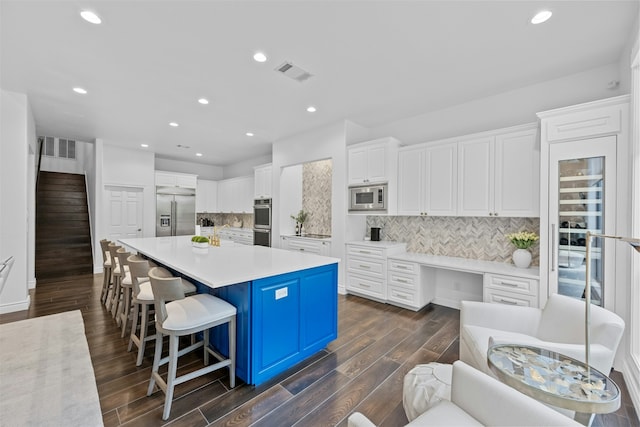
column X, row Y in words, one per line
column 367, row 268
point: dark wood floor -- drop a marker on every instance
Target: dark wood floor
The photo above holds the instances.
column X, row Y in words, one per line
column 362, row 370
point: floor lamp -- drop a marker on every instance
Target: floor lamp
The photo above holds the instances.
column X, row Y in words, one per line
column 635, row 243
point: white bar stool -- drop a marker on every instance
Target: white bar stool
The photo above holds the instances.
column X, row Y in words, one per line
column 106, row 269
column 185, row 316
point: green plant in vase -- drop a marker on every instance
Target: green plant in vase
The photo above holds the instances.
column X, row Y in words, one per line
column 300, row 219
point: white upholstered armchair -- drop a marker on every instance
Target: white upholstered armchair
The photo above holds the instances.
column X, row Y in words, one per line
column 478, row 399
column 558, row 327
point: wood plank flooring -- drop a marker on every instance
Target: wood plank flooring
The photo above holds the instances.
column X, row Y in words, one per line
column 362, row 370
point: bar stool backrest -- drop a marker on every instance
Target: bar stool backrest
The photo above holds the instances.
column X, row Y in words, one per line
column 104, row 245
column 113, row 250
column 123, row 254
column 165, row 288
column 138, row 267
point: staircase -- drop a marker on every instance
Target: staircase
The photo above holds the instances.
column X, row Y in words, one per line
column 63, row 237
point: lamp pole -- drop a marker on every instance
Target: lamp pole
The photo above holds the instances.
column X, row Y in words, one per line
column 587, row 292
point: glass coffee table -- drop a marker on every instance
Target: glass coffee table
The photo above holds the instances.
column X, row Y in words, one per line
column 555, row 379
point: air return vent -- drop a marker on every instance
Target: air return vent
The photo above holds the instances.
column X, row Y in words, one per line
column 294, row 72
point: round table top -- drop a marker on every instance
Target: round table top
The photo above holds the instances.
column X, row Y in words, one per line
column 554, row 378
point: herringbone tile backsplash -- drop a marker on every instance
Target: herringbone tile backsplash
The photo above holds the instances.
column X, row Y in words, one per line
column 465, row 237
column 316, row 196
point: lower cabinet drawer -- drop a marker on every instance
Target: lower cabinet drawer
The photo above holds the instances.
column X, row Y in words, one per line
column 367, row 266
column 367, row 285
column 403, row 280
column 402, row 295
column 497, row 297
column 511, row 284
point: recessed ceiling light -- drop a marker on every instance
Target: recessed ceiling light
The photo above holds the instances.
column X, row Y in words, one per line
column 89, row 16
column 311, row 109
column 203, row 101
column 173, row 124
column 541, row 17
column 144, row 145
column 199, row 154
column 249, row 133
column 260, row 57
column 80, row 90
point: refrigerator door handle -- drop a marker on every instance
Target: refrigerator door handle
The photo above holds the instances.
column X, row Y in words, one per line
column 173, row 217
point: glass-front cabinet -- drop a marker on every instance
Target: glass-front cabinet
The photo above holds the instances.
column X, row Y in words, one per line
column 580, row 196
column 581, row 201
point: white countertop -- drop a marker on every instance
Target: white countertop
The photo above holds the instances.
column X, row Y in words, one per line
column 227, row 264
column 468, row 265
column 305, row 237
column 382, row 244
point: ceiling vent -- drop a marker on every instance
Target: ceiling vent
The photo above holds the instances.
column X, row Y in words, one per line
column 294, row 72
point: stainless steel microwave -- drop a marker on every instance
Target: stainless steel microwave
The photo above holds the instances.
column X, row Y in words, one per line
column 368, row 198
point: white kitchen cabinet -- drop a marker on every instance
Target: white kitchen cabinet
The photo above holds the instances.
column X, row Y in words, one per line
column 206, row 196
column 373, row 161
column 262, row 181
column 306, row 244
column 174, row 179
column 366, row 269
column 242, row 236
column 427, row 180
column 510, row 290
column 584, row 161
column 235, row 195
column 405, row 287
column 498, row 174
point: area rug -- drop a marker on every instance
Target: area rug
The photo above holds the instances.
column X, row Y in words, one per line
column 46, row 376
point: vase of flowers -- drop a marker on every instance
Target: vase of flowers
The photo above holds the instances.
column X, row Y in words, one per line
column 522, row 240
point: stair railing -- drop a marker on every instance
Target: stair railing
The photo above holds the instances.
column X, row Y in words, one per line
column 40, row 145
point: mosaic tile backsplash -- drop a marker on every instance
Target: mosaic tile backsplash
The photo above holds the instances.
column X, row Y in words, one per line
column 219, row 219
column 466, row 237
column 316, row 196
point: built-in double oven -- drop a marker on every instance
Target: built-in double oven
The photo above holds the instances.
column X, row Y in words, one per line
column 262, row 222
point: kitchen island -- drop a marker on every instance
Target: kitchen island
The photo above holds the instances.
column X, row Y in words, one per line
column 286, row 301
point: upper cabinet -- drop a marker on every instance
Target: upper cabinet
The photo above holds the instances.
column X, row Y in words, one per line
column 498, row 174
column 235, row 195
column 373, row 161
column 488, row 174
column 206, row 196
column 427, row 180
column 173, row 179
column 262, row 182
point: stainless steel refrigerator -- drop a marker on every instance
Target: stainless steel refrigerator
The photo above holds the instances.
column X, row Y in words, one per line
column 175, row 211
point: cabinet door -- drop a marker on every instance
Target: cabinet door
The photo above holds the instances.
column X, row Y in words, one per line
column 376, row 164
column 583, row 198
column 262, row 182
column 475, row 177
column 186, row 181
column 165, row 179
column 224, row 196
column 357, row 165
column 411, row 182
column 517, row 174
column 441, row 180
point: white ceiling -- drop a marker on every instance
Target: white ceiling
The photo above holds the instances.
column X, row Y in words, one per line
column 372, row 62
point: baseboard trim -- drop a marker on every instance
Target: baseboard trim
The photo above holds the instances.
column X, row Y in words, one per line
column 32, row 283
column 632, row 381
column 16, row 306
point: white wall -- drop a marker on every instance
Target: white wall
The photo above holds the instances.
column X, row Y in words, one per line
column 117, row 166
column 290, row 199
column 328, row 142
column 245, row 168
column 17, row 127
column 505, row 109
column 213, row 173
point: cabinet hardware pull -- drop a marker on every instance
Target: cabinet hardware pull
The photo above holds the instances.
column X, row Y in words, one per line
column 364, row 285
column 504, row 301
column 364, row 266
column 402, row 280
column 404, row 267
column 507, row 284
column 364, row 252
column 302, row 249
column 553, row 247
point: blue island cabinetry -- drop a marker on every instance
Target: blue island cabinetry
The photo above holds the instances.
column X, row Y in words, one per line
column 294, row 316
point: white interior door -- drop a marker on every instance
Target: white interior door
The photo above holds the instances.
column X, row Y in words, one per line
column 582, row 191
column 124, row 212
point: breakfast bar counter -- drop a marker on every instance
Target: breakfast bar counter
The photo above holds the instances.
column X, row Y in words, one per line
column 286, row 301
